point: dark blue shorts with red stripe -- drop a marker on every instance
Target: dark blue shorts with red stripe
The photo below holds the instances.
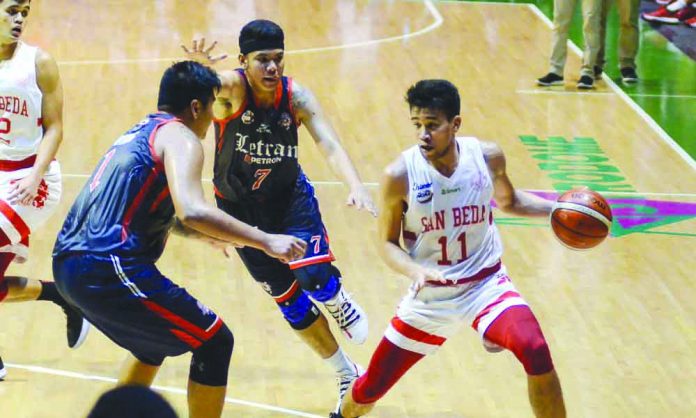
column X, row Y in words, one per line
column 135, row 305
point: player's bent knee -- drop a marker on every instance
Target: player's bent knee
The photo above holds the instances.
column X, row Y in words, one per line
column 299, row 310
column 210, row 362
column 322, row 280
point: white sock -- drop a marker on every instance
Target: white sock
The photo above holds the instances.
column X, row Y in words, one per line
column 340, row 362
column 677, row 5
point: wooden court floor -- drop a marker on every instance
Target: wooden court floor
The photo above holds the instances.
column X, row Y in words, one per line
column 620, row 319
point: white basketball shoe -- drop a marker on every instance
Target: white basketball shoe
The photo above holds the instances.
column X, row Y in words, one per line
column 349, row 316
column 344, row 380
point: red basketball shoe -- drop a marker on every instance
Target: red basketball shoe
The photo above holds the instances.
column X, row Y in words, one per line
column 662, row 15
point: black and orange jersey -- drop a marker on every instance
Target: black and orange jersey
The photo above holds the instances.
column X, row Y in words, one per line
column 256, row 149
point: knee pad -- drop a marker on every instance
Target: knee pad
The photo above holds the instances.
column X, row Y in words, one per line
column 298, row 310
column 322, row 281
column 210, row 362
column 518, row 330
column 534, row 354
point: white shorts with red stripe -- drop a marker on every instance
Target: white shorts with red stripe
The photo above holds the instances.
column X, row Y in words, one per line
column 19, row 221
column 424, row 321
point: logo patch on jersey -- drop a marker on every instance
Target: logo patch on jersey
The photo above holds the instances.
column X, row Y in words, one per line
column 481, row 182
column 285, row 121
column 248, row 117
column 266, row 287
column 263, row 129
column 424, row 193
column 204, row 309
column 445, row 190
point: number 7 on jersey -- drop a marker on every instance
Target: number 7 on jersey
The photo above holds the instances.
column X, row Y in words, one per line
column 260, row 175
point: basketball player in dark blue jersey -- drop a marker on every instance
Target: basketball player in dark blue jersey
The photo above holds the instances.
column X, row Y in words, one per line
column 147, row 182
column 258, row 179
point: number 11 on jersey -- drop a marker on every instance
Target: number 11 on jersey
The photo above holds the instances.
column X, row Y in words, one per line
column 444, row 261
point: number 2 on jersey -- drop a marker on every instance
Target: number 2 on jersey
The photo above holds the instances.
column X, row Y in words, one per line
column 5, row 126
column 444, row 261
column 260, row 175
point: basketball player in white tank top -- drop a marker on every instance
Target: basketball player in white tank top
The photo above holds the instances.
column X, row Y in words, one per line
column 437, row 197
column 31, row 129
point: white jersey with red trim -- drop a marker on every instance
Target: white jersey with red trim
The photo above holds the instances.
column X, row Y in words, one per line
column 448, row 224
column 20, row 105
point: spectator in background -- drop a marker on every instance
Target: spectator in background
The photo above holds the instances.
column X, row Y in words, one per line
column 562, row 15
column 628, row 39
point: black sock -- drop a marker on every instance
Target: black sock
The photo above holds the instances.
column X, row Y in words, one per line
column 50, row 292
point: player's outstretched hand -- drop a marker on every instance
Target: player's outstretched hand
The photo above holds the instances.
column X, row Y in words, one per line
column 421, row 277
column 201, row 54
column 360, row 199
column 285, row 248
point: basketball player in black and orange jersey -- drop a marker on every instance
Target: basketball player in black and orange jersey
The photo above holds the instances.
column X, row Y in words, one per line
column 258, row 179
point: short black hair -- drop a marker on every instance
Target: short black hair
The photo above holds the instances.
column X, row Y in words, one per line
column 184, row 82
column 435, row 94
column 258, row 34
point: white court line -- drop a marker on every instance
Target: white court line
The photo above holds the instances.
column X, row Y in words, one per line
column 649, row 120
column 428, row 4
column 373, row 184
column 82, row 376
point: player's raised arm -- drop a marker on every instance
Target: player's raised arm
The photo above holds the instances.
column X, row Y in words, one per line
column 309, row 111
column 183, row 161
column 506, row 196
column 394, row 193
column 48, row 80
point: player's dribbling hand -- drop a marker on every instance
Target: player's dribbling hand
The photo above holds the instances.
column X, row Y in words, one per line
column 360, row 199
column 24, row 191
column 201, row 54
column 421, row 277
column 285, row 248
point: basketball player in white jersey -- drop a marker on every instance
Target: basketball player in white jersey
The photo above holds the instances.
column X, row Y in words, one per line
column 31, row 129
column 437, row 197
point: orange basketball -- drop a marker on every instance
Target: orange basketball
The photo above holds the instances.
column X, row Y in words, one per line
column 581, row 219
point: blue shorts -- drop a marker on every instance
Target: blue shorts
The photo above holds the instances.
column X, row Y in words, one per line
column 135, row 305
column 300, row 217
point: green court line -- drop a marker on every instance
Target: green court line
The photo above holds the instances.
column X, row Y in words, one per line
column 663, row 69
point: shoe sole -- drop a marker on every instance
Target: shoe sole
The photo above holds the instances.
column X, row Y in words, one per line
column 86, row 326
column 629, row 80
column 585, row 87
column 673, row 20
column 553, row 83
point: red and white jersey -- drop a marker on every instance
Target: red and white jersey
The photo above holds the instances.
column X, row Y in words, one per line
column 20, row 105
column 448, row 224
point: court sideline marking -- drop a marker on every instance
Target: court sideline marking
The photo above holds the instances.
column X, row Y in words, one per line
column 169, row 389
column 437, row 22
